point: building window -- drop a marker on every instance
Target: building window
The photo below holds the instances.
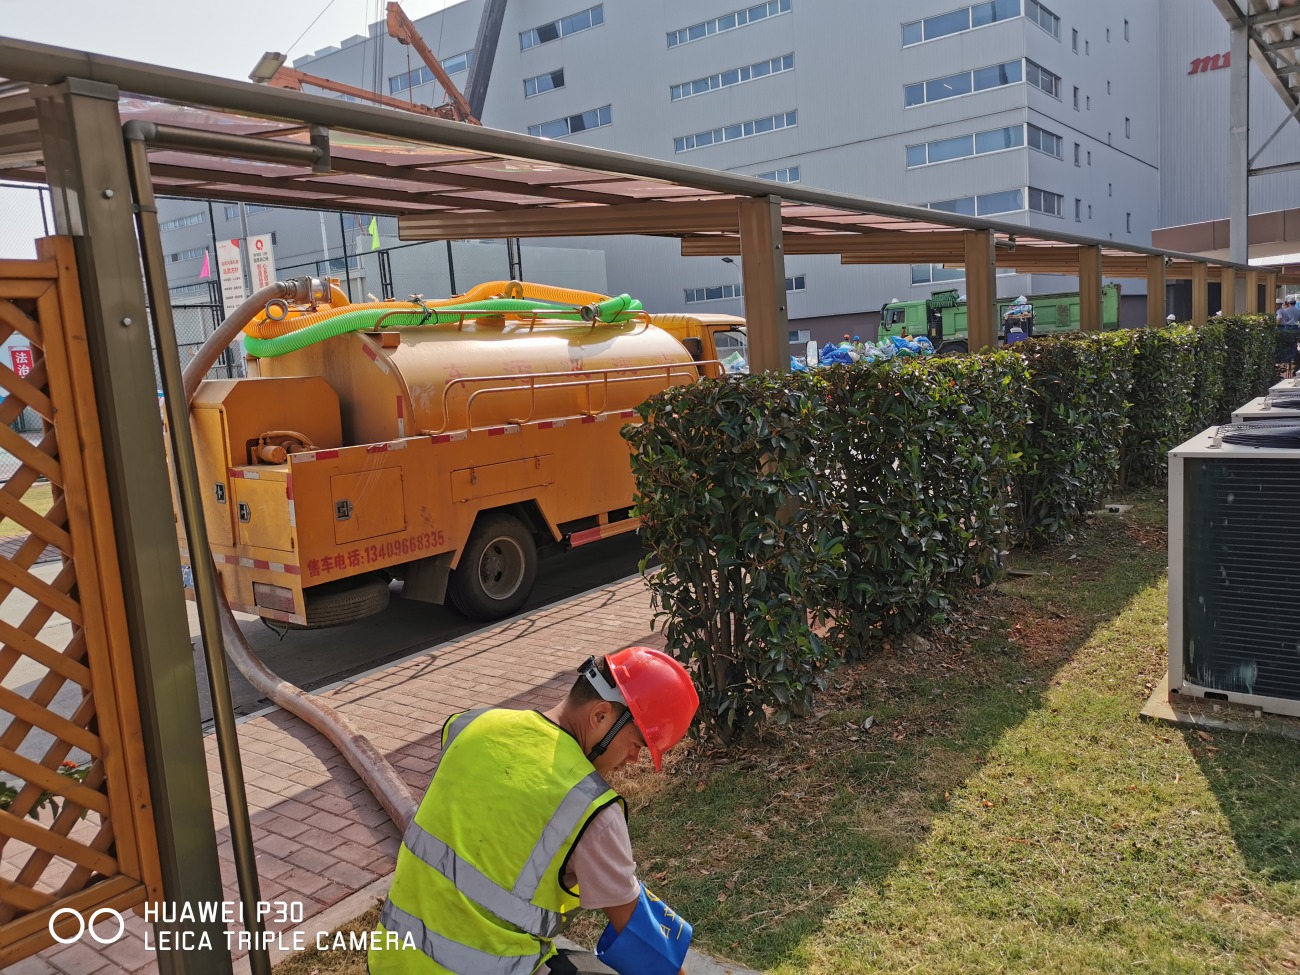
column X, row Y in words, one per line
column 962, row 19
column 1041, row 201
column 800, row 336
column 936, row 273
column 572, row 24
column 718, row 292
column 1128, row 222
column 1126, row 30
column 1043, row 17
column 1107, row 35
column 1089, row 211
column 548, row 81
column 179, row 222
column 963, row 146
column 790, row 175
column 1128, row 127
column 738, row 130
column 423, row 76
column 986, row 204
column 1086, row 46
column 560, row 127
column 232, row 209
column 1044, row 141
column 731, row 21
column 1107, row 86
column 1110, row 189
column 1087, row 102
column 1076, row 98
column 1078, row 210
column 1074, row 41
column 993, row 76
column 735, row 76
column 1042, row 78
column 1077, row 147
column 191, row 254
column 1089, row 157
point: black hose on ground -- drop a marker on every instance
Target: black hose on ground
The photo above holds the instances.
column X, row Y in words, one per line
column 376, row 772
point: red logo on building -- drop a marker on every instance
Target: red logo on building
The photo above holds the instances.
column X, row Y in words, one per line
column 1212, row 63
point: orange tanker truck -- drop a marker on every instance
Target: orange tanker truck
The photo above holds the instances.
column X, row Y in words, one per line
column 443, row 443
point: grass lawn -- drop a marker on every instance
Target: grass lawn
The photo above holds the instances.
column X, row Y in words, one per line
column 40, row 498
column 1006, row 810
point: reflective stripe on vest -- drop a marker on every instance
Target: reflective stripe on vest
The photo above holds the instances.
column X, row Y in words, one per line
column 457, row 727
column 453, row 955
column 507, row 905
column 564, row 821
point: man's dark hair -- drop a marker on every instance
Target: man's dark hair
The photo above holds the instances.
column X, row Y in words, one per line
column 582, row 692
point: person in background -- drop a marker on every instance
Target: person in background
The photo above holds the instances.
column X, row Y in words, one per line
column 1289, row 316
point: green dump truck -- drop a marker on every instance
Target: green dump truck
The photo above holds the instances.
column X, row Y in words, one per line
column 942, row 317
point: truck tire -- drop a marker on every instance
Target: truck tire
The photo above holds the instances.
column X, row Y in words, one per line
column 345, row 601
column 497, row 568
column 954, row 348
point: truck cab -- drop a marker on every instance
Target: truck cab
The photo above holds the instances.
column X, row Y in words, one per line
column 719, row 339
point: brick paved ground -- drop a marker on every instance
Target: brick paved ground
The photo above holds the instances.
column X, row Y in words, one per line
column 320, row 837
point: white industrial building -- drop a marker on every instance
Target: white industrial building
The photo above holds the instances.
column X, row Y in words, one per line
column 1106, row 118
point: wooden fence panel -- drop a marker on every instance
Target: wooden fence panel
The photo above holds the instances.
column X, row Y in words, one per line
column 76, row 824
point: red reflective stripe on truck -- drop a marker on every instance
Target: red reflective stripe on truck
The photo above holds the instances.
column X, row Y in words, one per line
column 247, row 475
column 548, row 424
column 377, row 448
column 447, row 437
column 501, row 431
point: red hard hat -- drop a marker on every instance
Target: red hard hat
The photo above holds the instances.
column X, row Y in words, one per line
column 659, row 693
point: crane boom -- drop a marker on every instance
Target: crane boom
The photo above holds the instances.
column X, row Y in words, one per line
column 295, row 79
column 485, row 54
column 401, row 28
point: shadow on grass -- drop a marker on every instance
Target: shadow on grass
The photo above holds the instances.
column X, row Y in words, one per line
column 757, row 847
column 1255, row 780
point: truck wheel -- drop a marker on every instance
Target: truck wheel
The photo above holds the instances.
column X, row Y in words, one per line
column 954, row 348
column 345, row 601
column 497, row 569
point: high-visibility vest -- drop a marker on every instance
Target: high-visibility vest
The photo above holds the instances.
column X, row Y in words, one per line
column 477, row 887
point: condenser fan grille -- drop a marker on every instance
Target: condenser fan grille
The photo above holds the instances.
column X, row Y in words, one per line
column 1241, row 593
column 1275, row 433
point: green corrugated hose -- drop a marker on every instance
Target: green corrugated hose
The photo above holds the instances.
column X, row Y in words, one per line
column 620, row 309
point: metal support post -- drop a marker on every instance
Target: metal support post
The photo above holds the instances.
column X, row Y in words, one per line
column 1200, row 293
column 1155, row 290
column 981, row 290
column 1090, row 289
column 1239, row 154
column 386, row 274
column 762, row 254
column 81, row 134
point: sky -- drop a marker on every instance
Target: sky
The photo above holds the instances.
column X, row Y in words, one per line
column 224, row 39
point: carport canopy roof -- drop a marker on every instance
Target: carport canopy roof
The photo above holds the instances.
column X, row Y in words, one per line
column 447, row 180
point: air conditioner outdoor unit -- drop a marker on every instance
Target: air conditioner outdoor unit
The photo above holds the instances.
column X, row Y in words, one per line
column 1234, row 566
column 1283, row 406
column 1287, row 385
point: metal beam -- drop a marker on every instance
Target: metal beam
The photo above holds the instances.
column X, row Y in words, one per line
column 1200, row 294
column 81, row 133
column 763, row 273
column 1090, row 289
column 981, row 290
column 1239, row 147
column 720, row 216
column 1155, row 291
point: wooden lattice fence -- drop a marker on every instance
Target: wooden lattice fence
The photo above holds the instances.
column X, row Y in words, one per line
column 76, row 828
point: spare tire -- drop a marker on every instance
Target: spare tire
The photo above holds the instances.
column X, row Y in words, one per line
column 344, row 601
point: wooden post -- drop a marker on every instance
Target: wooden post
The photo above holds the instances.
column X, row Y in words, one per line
column 981, row 291
column 1200, row 293
column 1228, row 289
column 1155, row 291
column 1090, row 289
column 1252, row 293
column 763, row 272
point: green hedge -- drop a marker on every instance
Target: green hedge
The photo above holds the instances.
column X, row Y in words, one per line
column 744, row 524
column 857, row 501
column 1078, row 386
column 921, row 455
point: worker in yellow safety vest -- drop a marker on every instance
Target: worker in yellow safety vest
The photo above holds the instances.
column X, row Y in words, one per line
column 519, row 828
